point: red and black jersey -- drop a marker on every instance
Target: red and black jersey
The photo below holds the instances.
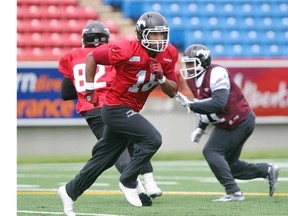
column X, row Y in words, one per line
column 72, row 65
column 134, row 80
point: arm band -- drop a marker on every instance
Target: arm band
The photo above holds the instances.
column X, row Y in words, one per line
column 89, row 86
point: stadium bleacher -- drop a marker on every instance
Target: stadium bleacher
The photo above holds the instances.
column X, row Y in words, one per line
column 240, row 28
column 236, row 29
column 49, row 28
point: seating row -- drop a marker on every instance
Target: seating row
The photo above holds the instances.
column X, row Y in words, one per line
column 53, row 39
column 47, row 2
column 58, row 25
column 229, row 36
column 245, row 50
column 56, row 12
column 220, row 22
column 40, row 53
column 132, row 8
column 45, row 46
column 49, row 40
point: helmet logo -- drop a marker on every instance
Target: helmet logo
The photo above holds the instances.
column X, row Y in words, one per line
column 84, row 30
column 205, row 53
column 107, row 30
column 141, row 22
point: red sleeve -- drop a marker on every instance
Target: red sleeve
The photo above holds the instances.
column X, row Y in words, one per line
column 120, row 52
column 113, row 53
column 173, row 72
column 100, row 55
column 169, row 68
column 64, row 66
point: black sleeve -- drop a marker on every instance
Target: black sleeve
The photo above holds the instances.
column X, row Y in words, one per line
column 68, row 91
column 214, row 104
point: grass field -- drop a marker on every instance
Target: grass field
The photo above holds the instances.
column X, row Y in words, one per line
column 188, row 189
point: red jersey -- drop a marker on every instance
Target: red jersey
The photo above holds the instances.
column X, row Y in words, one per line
column 217, row 77
column 72, row 65
column 134, row 80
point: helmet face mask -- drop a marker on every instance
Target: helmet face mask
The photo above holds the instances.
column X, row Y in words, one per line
column 94, row 34
column 191, row 67
column 195, row 61
column 148, row 28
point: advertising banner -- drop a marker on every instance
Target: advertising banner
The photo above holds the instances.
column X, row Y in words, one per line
column 265, row 86
column 39, row 102
column 266, row 89
column 39, row 99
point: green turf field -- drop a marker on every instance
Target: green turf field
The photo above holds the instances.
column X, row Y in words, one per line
column 188, row 189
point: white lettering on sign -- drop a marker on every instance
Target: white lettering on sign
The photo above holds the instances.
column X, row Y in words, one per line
column 265, row 99
column 26, row 82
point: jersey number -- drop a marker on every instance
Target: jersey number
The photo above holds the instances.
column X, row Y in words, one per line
column 79, row 76
column 141, row 78
column 210, row 118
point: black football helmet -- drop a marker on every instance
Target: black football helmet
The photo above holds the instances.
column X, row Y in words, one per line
column 95, row 33
column 152, row 22
column 195, row 60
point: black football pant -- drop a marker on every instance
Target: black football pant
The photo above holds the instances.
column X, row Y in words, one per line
column 96, row 124
column 123, row 126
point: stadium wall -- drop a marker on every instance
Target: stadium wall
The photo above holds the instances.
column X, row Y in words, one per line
column 174, row 127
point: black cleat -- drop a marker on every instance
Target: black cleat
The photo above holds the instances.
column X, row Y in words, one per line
column 145, row 199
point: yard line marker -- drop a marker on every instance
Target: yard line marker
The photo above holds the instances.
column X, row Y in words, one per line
column 61, row 213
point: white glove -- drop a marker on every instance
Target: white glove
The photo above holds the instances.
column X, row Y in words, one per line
column 183, row 100
column 196, row 135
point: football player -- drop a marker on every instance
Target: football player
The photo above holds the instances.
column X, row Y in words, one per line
column 141, row 65
column 220, row 102
column 72, row 66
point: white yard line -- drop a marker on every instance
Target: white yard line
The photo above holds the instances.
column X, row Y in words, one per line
column 61, row 213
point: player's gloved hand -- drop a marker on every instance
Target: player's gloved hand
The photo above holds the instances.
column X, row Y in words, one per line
column 183, row 100
column 156, row 69
column 196, row 135
column 91, row 97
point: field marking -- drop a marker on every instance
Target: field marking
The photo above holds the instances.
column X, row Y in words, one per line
column 61, row 213
column 164, row 193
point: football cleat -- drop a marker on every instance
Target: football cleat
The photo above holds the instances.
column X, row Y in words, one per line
column 151, row 187
column 131, row 195
column 66, row 201
column 272, row 178
column 237, row 196
column 153, row 190
column 145, row 199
